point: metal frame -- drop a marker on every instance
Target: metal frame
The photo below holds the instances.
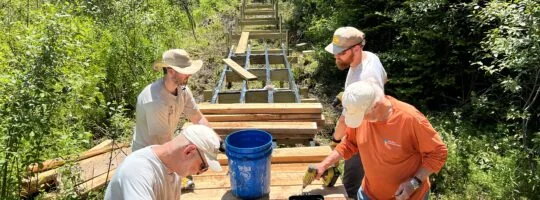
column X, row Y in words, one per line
column 270, row 93
column 245, row 82
column 292, row 84
column 221, row 79
column 268, row 79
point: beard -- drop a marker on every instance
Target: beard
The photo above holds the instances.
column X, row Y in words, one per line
column 342, row 65
column 345, row 63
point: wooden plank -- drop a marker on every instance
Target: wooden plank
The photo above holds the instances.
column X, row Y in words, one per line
column 95, row 183
column 284, row 96
column 270, row 51
column 261, row 108
column 259, row 12
column 309, row 100
column 258, row 6
column 263, row 31
column 293, row 155
column 293, row 128
column 275, row 168
column 242, row 44
column 98, row 165
column 304, row 91
column 53, row 163
column 260, row 117
column 276, row 193
column 284, row 138
column 240, row 70
column 276, row 179
column 255, row 96
column 257, row 22
column 102, row 145
column 274, row 59
column 276, row 35
column 90, row 168
column 260, row 73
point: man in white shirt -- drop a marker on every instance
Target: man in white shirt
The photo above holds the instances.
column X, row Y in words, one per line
column 160, row 104
column 154, row 172
column 348, row 49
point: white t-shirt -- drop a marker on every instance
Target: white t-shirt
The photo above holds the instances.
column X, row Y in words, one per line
column 158, row 113
column 143, row 176
column 371, row 67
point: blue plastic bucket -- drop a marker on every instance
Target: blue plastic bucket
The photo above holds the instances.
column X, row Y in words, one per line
column 249, row 153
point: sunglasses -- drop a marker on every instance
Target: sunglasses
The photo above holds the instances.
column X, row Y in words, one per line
column 204, row 166
column 344, row 51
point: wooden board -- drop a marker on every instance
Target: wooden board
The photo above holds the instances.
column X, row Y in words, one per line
column 95, row 183
column 292, row 128
column 276, row 192
column 258, row 5
column 279, row 178
column 101, row 145
column 90, row 168
column 275, row 168
column 260, row 73
column 240, row 70
column 273, row 59
column 261, row 108
column 53, row 163
column 275, row 35
column 256, row 96
column 259, row 12
column 261, row 117
column 293, row 155
column 242, row 44
column 98, row 165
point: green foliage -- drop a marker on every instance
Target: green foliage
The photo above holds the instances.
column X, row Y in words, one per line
column 475, row 62
column 72, row 70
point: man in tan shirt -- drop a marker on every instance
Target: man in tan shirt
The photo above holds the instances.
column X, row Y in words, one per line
column 160, row 104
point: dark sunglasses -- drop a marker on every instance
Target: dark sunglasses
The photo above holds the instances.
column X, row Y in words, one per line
column 204, row 166
column 343, row 52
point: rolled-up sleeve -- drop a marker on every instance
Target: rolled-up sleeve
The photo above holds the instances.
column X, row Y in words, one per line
column 430, row 145
column 347, row 147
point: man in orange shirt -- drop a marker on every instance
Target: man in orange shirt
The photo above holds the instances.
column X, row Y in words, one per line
column 398, row 145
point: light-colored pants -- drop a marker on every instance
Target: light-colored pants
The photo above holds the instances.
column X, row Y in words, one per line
column 362, row 196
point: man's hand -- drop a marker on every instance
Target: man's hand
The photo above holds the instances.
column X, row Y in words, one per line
column 404, row 191
column 320, row 170
column 336, row 104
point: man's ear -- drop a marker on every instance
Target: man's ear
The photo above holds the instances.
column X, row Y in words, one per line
column 190, row 150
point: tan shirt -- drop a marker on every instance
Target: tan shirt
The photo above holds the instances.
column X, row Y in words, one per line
column 158, row 113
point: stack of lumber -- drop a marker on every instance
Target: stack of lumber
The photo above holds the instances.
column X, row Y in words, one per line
column 93, row 169
column 292, row 122
column 287, row 169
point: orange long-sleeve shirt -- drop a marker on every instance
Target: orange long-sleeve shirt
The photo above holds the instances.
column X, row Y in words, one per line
column 392, row 151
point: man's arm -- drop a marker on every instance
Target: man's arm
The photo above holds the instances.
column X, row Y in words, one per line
column 406, row 189
column 433, row 151
column 198, row 118
column 339, row 131
column 331, row 159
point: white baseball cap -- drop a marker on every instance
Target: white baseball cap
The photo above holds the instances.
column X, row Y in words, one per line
column 358, row 98
column 206, row 141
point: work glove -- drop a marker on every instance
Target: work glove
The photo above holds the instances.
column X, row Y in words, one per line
column 221, row 146
column 336, row 104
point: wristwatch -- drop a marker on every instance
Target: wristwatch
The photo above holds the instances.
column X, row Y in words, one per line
column 415, row 182
column 334, row 139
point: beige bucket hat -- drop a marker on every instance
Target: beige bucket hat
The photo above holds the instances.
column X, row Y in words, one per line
column 178, row 59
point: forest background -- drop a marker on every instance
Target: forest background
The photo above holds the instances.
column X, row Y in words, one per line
column 71, row 71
